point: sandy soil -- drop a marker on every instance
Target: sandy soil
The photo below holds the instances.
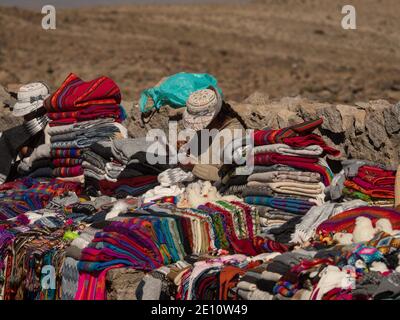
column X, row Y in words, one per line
column 285, row 47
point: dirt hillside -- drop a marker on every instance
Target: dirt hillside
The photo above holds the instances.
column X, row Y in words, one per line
column 284, row 48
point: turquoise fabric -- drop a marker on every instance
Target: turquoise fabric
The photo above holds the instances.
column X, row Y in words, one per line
column 175, row 90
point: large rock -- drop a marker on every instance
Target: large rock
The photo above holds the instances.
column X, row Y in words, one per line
column 365, row 130
column 122, row 283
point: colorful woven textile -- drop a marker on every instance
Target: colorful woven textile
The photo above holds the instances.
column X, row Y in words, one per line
column 377, row 192
column 68, row 171
column 66, row 153
column 377, row 176
column 295, row 136
column 66, row 162
column 75, row 94
column 296, row 206
column 345, row 221
column 308, row 164
column 30, row 194
column 89, row 113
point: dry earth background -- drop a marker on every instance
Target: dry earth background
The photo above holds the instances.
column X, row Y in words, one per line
column 282, row 47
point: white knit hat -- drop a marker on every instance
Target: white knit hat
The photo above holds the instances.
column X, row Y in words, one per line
column 30, row 98
column 201, row 108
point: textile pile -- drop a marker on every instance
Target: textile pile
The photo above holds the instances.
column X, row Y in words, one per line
column 82, row 201
column 120, row 167
column 81, row 114
column 367, row 181
column 289, row 176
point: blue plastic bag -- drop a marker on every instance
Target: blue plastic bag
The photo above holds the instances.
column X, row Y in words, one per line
column 175, row 90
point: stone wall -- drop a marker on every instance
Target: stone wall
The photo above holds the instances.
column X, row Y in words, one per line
column 369, row 130
column 366, row 130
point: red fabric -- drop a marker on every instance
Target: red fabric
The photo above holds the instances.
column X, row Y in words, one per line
column 309, row 140
column 296, row 136
column 377, row 176
column 76, row 94
column 240, row 246
column 375, row 193
column 106, row 185
column 89, row 113
column 308, row 164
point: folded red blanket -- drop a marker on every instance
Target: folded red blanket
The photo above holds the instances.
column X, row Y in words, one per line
column 75, row 94
column 89, row 113
column 65, row 172
column 296, row 136
column 377, row 176
column 375, row 193
column 66, row 162
column 345, row 221
column 106, row 185
column 307, row 164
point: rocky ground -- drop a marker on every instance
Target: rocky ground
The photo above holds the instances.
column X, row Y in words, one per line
column 283, row 48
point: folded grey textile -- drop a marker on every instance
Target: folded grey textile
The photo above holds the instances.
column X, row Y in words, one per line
column 254, row 295
column 103, row 148
column 174, row 176
column 101, row 201
column 309, row 151
column 103, row 130
column 283, row 176
column 81, row 141
column 312, row 190
column 94, row 159
column 260, row 169
column 291, row 259
column 235, row 190
column 63, row 201
column 267, row 212
column 125, row 149
column 84, row 125
column 248, row 286
column 389, row 288
column 152, row 287
column 368, row 284
column 268, row 192
column 88, row 166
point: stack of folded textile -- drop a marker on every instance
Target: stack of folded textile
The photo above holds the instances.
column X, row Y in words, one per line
column 373, row 185
column 38, row 164
column 289, row 174
column 81, row 114
column 161, row 234
column 371, row 182
column 120, row 168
